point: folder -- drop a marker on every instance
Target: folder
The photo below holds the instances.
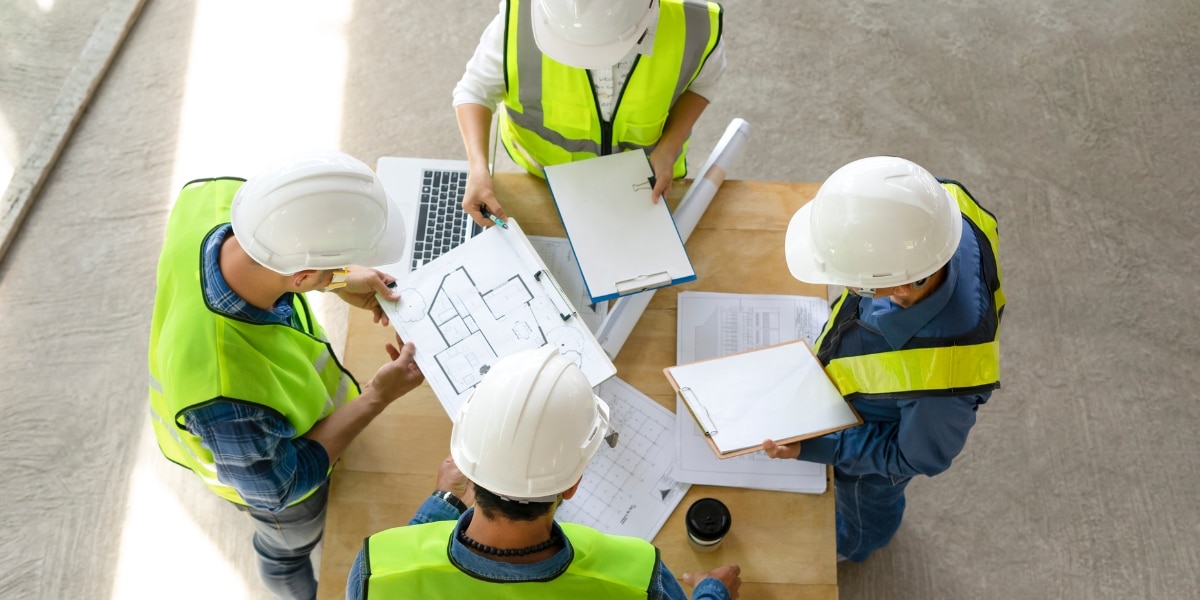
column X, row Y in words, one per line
column 624, row 242
column 779, row 392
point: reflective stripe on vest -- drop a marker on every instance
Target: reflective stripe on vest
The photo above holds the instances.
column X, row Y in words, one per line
column 207, row 471
column 197, row 355
column 953, row 366
column 551, row 115
column 414, row 562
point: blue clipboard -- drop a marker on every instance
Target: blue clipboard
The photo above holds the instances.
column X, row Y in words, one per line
column 624, row 243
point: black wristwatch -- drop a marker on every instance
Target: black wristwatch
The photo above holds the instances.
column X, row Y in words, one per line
column 452, row 499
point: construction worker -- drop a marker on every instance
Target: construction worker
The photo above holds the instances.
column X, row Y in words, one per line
column 913, row 341
column 522, row 441
column 579, row 79
column 244, row 387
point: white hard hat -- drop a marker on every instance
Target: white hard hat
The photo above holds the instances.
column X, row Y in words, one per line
column 530, row 427
column 876, row 222
column 590, row 34
column 318, row 210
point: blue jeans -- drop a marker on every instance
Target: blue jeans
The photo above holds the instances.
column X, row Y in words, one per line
column 869, row 509
column 283, row 542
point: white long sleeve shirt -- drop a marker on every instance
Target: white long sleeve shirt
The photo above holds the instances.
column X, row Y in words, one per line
column 483, row 81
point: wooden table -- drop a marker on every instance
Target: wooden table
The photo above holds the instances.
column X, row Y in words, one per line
column 784, row 542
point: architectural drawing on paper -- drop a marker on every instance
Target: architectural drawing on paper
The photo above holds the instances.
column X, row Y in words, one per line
column 478, row 325
column 630, row 489
column 733, row 328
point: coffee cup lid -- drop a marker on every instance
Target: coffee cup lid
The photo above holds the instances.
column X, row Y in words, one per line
column 708, row 518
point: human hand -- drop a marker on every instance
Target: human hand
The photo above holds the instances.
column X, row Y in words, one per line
column 399, row 376
column 730, row 575
column 361, row 287
column 450, row 479
column 662, row 160
column 479, row 196
column 774, row 450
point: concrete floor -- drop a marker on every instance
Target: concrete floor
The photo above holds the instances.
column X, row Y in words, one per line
column 1075, row 122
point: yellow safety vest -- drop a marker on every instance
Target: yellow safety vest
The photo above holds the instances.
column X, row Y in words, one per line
column 926, row 367
column 198, row 356
column 414, row 562
column 551, row 115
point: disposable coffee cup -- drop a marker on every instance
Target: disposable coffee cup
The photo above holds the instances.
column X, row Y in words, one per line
column 707, row 522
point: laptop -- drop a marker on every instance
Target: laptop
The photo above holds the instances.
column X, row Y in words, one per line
column 429, row 194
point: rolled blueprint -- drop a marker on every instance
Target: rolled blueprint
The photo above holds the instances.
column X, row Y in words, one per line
column 626, row 310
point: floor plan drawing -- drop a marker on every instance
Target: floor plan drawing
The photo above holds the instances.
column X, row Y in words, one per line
column 630, row 489
column 484, row 300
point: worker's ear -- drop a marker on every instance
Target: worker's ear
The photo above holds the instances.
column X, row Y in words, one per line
column 303, row 280
column 571, row 491
column 902, row 291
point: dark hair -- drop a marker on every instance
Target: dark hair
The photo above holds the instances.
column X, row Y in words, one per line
column 491, row 504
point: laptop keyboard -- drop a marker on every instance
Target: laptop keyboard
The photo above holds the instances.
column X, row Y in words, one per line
column 441, row 223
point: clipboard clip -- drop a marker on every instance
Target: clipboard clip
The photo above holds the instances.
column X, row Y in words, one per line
column 643, row 282
column 705, row 421
column 643, row 186
column 538, row 277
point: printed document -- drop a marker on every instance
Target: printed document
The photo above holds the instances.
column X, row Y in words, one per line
column 714, row 324
column 483, row 300
column 631, row 489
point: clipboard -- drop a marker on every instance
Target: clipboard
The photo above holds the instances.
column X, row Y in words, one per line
column 483, row 300
column 779, row 392
column 624, row 243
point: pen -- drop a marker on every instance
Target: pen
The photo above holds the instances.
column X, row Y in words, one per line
column 494, row 218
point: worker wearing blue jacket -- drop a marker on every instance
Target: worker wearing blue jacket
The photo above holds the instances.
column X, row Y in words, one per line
column 913, row 341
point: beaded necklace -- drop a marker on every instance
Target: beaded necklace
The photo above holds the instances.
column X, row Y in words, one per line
column 534, row 549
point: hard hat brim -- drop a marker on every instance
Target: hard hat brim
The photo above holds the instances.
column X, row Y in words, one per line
column 574, row 55
column 799, row 251
column 395, row 236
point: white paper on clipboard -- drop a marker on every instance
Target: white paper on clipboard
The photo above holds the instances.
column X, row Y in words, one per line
column 625, row 243
column 712, row 324
column 780, row 392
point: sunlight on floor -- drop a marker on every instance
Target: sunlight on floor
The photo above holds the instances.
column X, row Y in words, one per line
column 263, row 79
column 151, row 561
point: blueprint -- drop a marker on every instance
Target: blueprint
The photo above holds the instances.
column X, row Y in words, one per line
column 713, row 324
column 631, row 489
column 483, row 300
